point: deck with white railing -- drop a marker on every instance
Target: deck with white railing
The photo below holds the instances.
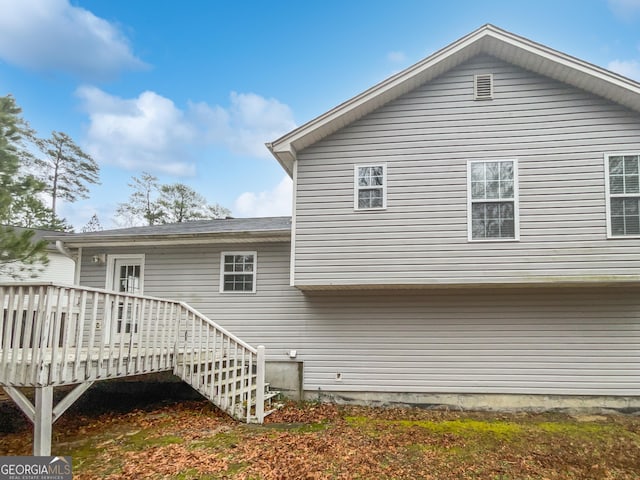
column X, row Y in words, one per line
column 52, row 335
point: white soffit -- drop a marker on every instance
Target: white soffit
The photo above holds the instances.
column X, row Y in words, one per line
column 486, row 40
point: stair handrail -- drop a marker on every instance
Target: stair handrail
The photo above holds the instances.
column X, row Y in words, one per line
column 221, row 329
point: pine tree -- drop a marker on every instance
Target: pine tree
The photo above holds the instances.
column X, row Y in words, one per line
column 66, row 170
column 93, row 225
column 19, row 253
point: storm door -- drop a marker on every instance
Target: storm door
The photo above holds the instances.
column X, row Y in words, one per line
column 127, row 278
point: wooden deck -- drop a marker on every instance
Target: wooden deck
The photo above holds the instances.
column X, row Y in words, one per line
column 52, row 335
column 47, row 367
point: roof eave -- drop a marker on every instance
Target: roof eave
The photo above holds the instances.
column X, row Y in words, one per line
column 487, row 39
column 286, row 157
column 175, row 239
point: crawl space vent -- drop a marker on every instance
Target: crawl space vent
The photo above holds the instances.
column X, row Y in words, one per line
column 483, row 86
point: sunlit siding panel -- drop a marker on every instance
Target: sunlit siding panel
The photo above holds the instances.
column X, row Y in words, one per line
column 558, row 135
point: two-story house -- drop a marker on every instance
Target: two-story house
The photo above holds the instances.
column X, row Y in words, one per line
column 466, row 232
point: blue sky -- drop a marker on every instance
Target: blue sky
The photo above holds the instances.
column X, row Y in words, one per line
column 191, row 90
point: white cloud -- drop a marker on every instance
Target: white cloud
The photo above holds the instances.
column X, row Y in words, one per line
column 628, row 68
column 396, row 57
column 272, row 203
column 52, row 35
column 244, row 127
column 625, row 9
column 150, row 132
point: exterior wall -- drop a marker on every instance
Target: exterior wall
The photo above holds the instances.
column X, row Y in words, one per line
column 563, row 341
column 60, row 270
column 557, row 133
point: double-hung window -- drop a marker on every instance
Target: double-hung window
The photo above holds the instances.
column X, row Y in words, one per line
column 370, row 187
column 238, row 272
column 623, row 192
column 492, row 200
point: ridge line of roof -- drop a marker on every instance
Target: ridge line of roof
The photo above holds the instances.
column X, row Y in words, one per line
column 284, row 150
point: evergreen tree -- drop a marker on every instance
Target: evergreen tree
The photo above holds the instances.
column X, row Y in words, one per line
column 93, row 225
column 66, row 170
column 19, row 253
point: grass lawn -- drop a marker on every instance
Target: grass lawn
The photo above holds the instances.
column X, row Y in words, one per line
column 192, row 440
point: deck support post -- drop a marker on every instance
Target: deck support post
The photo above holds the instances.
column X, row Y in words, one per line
column 260, row 384
column 43, row 415
column 43, row 421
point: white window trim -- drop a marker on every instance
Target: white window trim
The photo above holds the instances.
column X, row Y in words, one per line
column 516, row 202
column 222, row 272
column 111, row 262
column 607, row 194
column 356, row 187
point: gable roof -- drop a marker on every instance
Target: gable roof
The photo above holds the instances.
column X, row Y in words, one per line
column 488, row 39
column 227, row 230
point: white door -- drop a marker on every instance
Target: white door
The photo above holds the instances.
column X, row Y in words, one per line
column 127, row 278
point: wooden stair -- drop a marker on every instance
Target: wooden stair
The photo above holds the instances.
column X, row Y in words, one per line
column 229, row 384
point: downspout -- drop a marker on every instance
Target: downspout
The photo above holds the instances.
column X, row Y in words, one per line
column 77, row 259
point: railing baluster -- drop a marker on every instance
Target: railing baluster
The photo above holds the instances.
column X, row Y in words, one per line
column 16, row 334
column 248, row 395
column 67, row 334
column 192, row 319
column 132, row 333
column 150, row 333
column 234, row 377
column 159, row 342
column 199, row 347
column 173, row 341
column 8, row 334
column 214, row 362
column 112, row 360
column 93, row 327
column 164, row 338
column 39, row 334
column 122, row 335
column 28, row 341
column 54, row 338
column 81, row 355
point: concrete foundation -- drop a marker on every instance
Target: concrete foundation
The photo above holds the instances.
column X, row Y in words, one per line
column 486, row 402
column 285, row 377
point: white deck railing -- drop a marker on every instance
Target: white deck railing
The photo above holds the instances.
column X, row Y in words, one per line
column 61, row 335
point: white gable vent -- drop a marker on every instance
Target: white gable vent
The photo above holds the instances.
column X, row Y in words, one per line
column 483, row 86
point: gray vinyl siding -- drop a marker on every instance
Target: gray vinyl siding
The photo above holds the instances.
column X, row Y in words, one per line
column 558, row 134
column 537, row 341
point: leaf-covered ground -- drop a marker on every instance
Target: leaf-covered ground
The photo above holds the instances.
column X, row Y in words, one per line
column 192, row 440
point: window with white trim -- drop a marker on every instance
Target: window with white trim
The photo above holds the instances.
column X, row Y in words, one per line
column 492, row 199
column 623, row 188
column 370, row 187
column 238, row 272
